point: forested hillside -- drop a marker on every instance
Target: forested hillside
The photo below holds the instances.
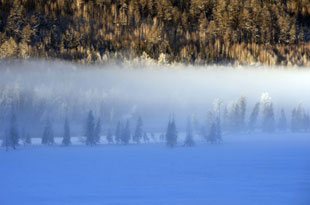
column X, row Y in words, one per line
column 273, row 32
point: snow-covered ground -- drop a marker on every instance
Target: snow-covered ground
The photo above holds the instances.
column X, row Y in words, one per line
column 271, row 170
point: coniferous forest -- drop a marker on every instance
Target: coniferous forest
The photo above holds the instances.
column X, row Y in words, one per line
column 271, row 32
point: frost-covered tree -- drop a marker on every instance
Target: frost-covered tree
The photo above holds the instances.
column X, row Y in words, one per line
column 268, row 121
column 90, row 129
column 189, row 140
column 125, row 138
column 242, row 106
column 138, row 131
column 109, row 136
column 282, row 125
column 118, row 132
column 253, row 118
column 48, row 134
column 171, row 134
column 97, row 131
column 13, row 132
column 67, row 135
column 215, row 133
column 297, row 121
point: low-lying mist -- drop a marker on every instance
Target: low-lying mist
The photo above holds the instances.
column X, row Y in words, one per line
column 37, row 90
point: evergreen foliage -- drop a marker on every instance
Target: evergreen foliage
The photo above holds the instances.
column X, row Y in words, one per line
column 48, row 134
column 90, row 129
column 67, row 136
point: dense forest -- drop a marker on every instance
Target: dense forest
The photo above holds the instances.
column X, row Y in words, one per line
column 271, row 32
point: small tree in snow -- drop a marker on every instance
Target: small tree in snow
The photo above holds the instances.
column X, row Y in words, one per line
column 189, row 141
column 90, row 129
column 215, row 133
column 98, row 130
column 282, row 126
column 13, row 132
column 171, row 134
column 109, row 136
column 138, row 131
column 125, row 138
column 66, row 137
column 253, row 118
column 48, row 134
column 118, row 132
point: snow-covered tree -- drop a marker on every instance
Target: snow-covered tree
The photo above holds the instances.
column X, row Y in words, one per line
column 282, row 125
column 90, row 129
column 67, row 136
column 13, row 133
column 268, row 121
column 126, row 134
column 109, row 136
column 253, row 118
column 189, row 140
column 215, row 133
column 48, row 134
column 118, row 132
column 138, row 131
column 171, row 134
column 97, row 131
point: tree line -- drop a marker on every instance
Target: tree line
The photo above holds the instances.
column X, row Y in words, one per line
column 188, row 31
column 230, row 120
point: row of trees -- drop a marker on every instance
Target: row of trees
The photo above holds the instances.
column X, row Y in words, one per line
column 231, row 119
column 190, row 31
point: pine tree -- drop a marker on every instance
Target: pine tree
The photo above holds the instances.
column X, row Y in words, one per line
column 138, row 131
column 109, row 136
column 189, row 141
column 171, row 134
column 211, row 138
column 13, row 134
column 253, row 118
column 215, row 133
column 126, row 134
column 48, row 134
column 118, row 132
column 90, row 129
column 98, row 131
column 268, row 118
column 67, row 136
column 282, row 121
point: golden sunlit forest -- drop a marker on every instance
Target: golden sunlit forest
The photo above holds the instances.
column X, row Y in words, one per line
column 270, row 32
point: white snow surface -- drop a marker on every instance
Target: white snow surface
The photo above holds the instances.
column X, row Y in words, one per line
column 246, row 169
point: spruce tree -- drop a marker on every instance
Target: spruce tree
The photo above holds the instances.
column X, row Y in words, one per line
column 90, row 129
column 118, row 132
column 189, row 141
column 125, row 138
column 67, row 136
column 48, row 134
column 98, row 131
column 212, row 136
column 13, row 134
column 253, row 118
column 138, row 131
column 268, row 124
column 171, row 134
column 282, row 121
column 109, row 136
